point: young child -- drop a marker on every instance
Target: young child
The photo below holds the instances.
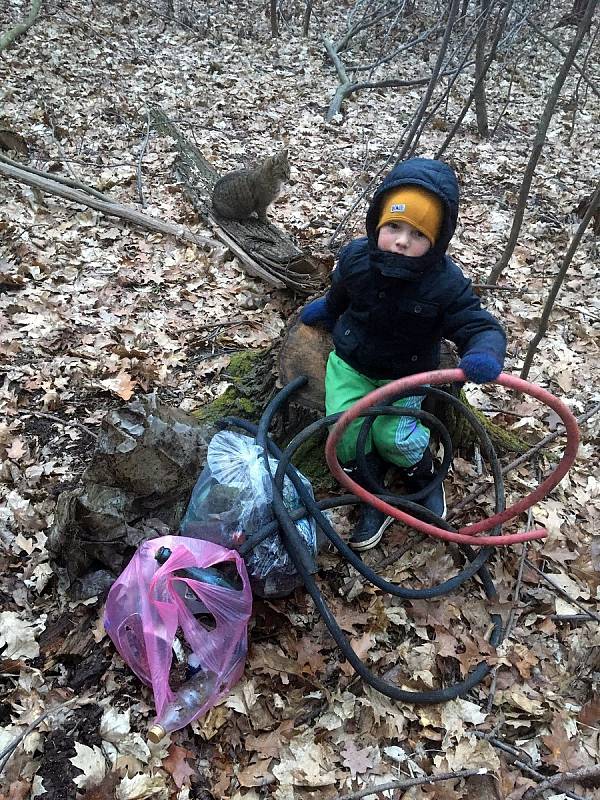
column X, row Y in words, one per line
column 394, row 295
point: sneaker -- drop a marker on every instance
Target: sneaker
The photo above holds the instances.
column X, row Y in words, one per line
column 418, row 477
column 369, row 529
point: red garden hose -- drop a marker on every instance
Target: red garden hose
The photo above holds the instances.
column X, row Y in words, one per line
column 466, row 535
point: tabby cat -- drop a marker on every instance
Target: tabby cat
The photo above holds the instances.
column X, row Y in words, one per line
column 237, row 194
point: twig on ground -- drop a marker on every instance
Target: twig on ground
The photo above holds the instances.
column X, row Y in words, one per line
column 73, row 182
column 516, row 760
column 513, row 611
column 139, row 162
column 491, row 287
column 568, row 777
column 521, row 460
column 65, row 422
column 10, row 748
column 561, row 591
column 385, row 562
column 409, row 782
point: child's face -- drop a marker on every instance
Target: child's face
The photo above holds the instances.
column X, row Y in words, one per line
column 402, row 238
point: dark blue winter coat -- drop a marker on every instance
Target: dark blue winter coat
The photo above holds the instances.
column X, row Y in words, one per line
column 393, row 310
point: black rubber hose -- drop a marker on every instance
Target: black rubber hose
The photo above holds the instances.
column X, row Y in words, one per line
column 416, row 510
column 312, row 508
column 298, row 555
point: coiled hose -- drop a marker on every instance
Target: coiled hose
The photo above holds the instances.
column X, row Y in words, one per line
column 428, row 523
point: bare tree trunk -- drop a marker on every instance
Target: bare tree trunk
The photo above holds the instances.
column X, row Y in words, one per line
column 273, row 17
column 543, row 327
column 432, row 82
column 480, row 101
column 538, row 143
column 479, row 79
column 306, row 17
column 6, row 39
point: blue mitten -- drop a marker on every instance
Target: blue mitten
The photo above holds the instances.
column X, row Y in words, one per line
column 318, row 311
column 480, row 367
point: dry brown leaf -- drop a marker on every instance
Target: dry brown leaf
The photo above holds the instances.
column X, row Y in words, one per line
column 177, row 766
column 565, row 753
column 105, row 790
column 268, row 745
column 18, row 790
column 358, row 761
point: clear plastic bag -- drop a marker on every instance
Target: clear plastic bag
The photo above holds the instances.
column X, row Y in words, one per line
column 149, row 602
column 232, row 500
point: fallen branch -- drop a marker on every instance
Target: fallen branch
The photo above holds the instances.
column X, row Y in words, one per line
column 10, row 748
column 264, row 251
column 73, row 182
column 22, row 27
column 425, row 780
column 561, row 591
column 138, row 171
column 64, row 422
column 516, row 761
column 48, row 185
column 568, row 777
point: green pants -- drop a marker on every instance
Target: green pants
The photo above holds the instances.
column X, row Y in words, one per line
column 399, row 440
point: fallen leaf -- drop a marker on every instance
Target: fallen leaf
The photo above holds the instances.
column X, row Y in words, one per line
column 141, row 787
column 122, row 385
column 256, row 774
column 91, row 762
column 18, row 636
column 358, row 761
column 565, row 753
column 105, row 790
column 177, row 766
column 268, row 745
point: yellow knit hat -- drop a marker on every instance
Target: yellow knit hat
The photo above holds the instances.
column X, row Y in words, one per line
column 420, row 208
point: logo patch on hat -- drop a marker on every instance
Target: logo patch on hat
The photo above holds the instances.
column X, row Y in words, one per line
column 398, row 207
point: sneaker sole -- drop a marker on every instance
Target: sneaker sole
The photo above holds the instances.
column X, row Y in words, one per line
column 367, row 544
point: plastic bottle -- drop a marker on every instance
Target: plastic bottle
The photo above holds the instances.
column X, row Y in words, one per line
column 210, row 575
column 183, row 708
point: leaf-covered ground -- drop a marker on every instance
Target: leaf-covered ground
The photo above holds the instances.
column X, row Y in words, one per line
column 94, row 312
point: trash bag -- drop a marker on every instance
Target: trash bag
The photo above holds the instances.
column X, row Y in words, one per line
column 150, row 601
column 136, row 487
column 232, row 500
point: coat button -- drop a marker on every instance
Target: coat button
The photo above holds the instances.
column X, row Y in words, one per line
column 414, row 358
column 348, row 332
column 418, row 309
column 381, row 295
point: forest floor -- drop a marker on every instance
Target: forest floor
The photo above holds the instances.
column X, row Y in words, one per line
column 94, row 312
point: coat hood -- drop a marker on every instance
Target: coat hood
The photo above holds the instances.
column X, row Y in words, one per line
column 436, row 177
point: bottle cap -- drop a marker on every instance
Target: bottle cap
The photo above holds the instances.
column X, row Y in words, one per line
column 156, row 733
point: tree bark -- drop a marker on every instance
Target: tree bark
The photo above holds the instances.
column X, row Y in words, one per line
column 6, row 39
column 480, row 69
column 538, row 143
column 432, row 82
column 549, row 305
column 479, row 79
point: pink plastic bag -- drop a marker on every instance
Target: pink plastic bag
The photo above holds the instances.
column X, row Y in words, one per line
column 145, row 606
